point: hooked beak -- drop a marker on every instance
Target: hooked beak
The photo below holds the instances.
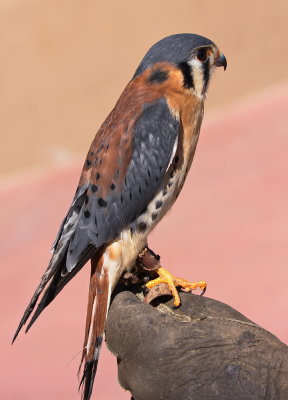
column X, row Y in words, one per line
column 221, row 61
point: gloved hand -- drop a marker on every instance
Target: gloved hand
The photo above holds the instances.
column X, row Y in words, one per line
column 203, row 350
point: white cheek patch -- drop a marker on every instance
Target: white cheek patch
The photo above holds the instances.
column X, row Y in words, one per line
column 198, row 78
column 195, row 63
column 197, row 70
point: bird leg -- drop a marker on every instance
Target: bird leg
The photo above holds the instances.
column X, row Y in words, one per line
column 150, row 261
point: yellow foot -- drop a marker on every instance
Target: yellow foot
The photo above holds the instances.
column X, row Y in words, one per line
column 172, row 282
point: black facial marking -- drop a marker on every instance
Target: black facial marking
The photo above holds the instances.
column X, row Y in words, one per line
column 86, row 214
column 206, row 75
column 97, row 176
column 113, row 187
column 86, row 200
column 185, row 68
column 102, row 202
column 88, row 162
column 91, row 153
column 154, row 216
column 158, row 76
column 176, row 159
column 164, row 191
column 94, row 188
column 141, row 227
column 158, row 204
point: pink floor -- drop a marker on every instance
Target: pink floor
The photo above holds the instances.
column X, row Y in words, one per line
column 229, row 227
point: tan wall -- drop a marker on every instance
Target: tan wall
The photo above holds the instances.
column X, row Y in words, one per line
column 64, row 63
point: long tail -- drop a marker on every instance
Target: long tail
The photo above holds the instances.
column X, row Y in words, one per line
column 98, row 303
column 57, row 274
column 57, row 282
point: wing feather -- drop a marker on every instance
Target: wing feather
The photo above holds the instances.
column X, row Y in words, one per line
column 119, row 202
column 122, row 173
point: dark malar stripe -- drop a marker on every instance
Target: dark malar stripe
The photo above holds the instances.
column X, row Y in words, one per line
column 206, row 75
column 185, row 68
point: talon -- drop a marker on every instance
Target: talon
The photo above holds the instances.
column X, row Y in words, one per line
column 172, row 281
column 203, row 291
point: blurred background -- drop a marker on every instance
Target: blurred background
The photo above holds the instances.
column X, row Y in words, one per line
column 63, row 66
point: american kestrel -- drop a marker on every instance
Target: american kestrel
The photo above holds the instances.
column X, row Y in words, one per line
column 134, row 171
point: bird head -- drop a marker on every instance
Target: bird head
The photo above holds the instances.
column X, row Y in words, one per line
column 195, row 56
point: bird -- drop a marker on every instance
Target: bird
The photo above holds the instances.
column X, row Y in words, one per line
column 134, row 171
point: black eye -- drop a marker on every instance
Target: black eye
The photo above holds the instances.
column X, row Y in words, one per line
column 202, row 54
